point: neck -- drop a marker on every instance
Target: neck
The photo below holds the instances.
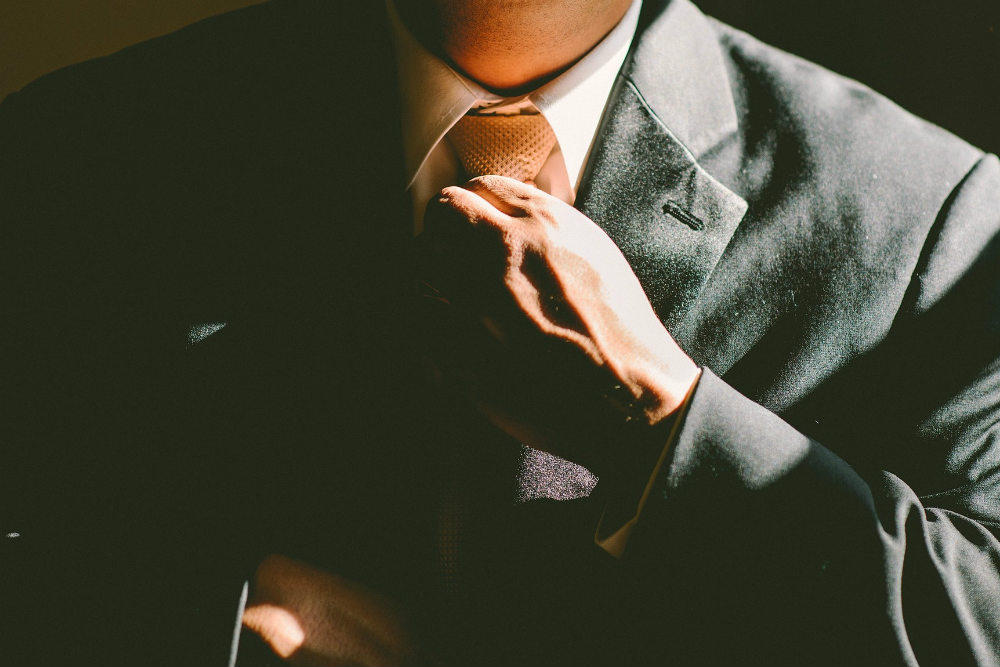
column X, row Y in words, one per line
column 511, row 46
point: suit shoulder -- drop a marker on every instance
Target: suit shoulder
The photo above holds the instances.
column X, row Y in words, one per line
column 243, row 57
column 837, row 125
column 864, row 195
column 256, row 80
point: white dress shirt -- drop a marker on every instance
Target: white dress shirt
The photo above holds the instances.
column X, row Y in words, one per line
column 434, row 97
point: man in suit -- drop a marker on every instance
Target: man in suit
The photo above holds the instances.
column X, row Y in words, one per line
column 217, row 357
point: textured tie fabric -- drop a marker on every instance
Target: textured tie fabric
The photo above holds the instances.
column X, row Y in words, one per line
column 514, row 146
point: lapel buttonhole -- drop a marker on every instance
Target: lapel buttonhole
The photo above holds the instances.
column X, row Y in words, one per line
column 672, row 209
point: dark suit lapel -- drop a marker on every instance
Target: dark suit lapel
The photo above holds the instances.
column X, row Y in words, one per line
column 643, row 184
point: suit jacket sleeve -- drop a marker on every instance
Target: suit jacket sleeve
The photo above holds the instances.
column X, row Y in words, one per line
column 770, row 547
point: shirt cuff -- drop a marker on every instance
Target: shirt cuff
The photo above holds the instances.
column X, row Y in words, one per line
column 620, row 516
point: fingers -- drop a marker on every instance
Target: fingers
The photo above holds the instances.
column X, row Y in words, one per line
column 459, row 207
column 489, row 199
column 507, row 195
column 473, row 235
column 279, row 627
column 312, row 616
column 464, row 249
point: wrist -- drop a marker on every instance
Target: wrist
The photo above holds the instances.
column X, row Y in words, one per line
column 668, row 391
column 639, row 439
column 655, row 389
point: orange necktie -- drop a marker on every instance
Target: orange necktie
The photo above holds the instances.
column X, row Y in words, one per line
column 514, row 146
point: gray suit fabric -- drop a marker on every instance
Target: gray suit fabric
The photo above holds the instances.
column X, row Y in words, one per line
column 852, row 305
column 829, row 259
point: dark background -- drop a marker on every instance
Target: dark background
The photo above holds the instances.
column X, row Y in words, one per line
column 38, row 36
column 938, row 58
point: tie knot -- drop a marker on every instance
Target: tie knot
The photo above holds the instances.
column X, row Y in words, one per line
column 514, row 146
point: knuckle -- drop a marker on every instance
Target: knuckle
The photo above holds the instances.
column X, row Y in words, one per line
column 447, row 195
column 485, row 182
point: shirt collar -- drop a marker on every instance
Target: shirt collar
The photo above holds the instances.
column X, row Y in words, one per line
column 434, row 96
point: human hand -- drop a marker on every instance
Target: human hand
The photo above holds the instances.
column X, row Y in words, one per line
column 312, row 617
column 546, row 325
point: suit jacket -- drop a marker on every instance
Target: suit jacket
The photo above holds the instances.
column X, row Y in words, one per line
column 209, row 355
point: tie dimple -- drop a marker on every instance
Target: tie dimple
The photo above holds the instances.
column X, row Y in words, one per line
column 515, row 146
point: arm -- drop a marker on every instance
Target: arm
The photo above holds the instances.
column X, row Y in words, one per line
column 899, row 547
column 759, row 544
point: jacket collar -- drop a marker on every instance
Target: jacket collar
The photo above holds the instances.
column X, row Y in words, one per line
column 677, row 64
column 643, row 185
